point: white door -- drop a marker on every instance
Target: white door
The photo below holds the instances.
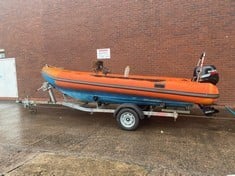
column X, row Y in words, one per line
column 8, row 80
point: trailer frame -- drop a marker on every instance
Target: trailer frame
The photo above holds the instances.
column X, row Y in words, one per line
column 127, row 115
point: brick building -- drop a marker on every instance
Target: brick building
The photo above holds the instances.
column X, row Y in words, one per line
column 153, row 37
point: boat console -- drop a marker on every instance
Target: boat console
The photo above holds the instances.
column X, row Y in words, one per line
column 98, row 66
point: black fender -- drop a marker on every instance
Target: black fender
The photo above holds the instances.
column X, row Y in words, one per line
column 131, row 106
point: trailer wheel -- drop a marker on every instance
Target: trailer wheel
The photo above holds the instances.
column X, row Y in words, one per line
column 128, row 119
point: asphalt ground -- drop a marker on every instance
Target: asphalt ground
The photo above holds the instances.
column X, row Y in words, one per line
column 62, row 141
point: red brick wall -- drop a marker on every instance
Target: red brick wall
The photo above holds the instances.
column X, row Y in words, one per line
column 153, row 37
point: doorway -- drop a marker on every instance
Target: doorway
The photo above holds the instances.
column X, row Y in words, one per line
column 8, row 79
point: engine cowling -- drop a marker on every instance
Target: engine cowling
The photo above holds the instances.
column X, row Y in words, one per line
column 208, row 74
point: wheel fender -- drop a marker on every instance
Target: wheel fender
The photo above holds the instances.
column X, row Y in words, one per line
column 131, row 106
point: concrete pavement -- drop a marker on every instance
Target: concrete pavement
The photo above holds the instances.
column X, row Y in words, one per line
column 62, row 141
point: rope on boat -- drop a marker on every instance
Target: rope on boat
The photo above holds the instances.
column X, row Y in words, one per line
column 230, row 110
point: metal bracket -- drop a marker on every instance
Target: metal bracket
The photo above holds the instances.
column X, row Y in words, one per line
column 48, row 87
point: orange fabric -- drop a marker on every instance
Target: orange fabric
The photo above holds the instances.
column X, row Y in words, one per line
column 171, row 84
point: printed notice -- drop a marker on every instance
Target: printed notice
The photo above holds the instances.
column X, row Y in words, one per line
column 103, row 53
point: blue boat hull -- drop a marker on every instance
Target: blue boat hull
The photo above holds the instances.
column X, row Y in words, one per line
column 103, row 97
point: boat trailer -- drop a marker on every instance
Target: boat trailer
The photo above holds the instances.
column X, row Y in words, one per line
column 127, row 115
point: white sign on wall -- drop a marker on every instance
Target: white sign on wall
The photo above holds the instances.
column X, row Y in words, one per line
column 103, row 53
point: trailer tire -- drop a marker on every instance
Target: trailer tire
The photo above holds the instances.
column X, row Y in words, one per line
column 128, row 119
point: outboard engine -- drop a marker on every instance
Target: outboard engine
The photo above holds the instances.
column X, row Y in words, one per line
column 206, row 74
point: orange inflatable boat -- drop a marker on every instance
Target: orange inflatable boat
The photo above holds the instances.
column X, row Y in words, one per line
column 139, row 90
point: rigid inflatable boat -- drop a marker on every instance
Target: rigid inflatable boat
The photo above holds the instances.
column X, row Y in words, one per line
column 139, row 90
